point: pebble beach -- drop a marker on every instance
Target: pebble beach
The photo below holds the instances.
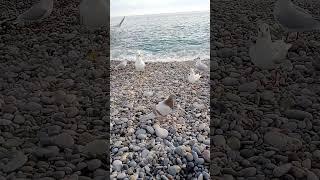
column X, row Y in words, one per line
column 261, row 129
column 179, row 148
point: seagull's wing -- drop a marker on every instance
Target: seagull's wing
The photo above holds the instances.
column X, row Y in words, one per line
column 122, row 21
column 36, row 12
column 304, row 11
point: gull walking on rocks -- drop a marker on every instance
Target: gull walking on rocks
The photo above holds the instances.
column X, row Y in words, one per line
column 139, row 64
column 265, row 53
column 293, row 18
column 193, row 77
column 37, row 12
column 201, row 66
column 162, row 109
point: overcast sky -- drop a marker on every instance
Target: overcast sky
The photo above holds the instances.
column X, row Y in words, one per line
column 139, row 7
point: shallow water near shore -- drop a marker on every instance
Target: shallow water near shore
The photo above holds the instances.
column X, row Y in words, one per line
column 162, row 37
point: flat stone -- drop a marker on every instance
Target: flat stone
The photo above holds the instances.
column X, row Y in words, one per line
column 219, row 140
column 94, row 164
column 33, row 106
column 206, row 155
column 96, row 147
column 117, row 165
column 17, row 162
column 312, row 176
column 71, row 111
column 276, row 139
column 46, row 152
column 19, row 119
column 173, row 170
column 248, row 87
column 248, row 172
column 160, row 132
column 63, row 140
column 297, row 114
column 234, row 143
column 282, row 170
column 5, row 122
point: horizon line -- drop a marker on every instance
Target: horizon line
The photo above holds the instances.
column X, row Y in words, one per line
column 161, row 13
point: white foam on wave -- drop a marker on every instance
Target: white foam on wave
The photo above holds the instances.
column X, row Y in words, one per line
column 117, row 55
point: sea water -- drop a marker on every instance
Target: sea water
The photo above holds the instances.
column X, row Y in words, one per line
column 161, row 37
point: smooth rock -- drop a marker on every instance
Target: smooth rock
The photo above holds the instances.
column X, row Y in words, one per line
column 282, row 170
column 63, row 140
column 17, row 162
column 160, row 132
column 173, row 170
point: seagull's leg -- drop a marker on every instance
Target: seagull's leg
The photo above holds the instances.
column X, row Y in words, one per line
column 297, row 37
column 277, row 78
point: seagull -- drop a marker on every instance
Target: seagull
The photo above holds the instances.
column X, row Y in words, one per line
column 37, row 12
column 200, row 66
column 165, row 107
column 162, row 109
column 139, row 64
column 119, row 25
column 121, row 65
column 94, row 13
column 193, row 77
column 265, row 53
column 292, row 18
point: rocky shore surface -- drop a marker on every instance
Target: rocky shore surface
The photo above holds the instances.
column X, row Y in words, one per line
column 173, row 147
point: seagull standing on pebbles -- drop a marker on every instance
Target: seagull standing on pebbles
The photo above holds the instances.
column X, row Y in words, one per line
column 121, row 65
column 265, row 53
column 37, row 12
column 293, row 18
column 201, row 66
column 193, row 77
column 162, row 109
column 139, row 64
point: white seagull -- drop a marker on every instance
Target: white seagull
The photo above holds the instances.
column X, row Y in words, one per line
column 139, row 64
column 94, row 13
column 201, row 66
column 265, row 53
column 293, row 18
column 162, row 109
column 193, row 77
column 37, row 12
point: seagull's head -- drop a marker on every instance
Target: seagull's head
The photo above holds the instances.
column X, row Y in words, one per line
column 263, row 30
column 139, row 55
column 171, row 101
